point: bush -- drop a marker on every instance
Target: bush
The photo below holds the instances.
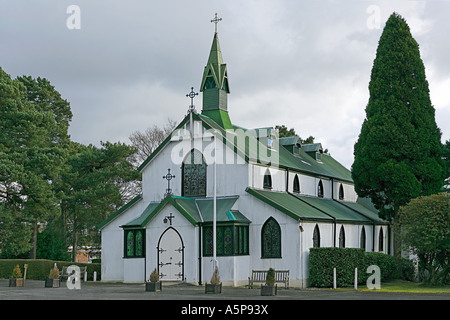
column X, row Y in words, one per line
column 270, row 278
column 215, row 278
column 38, row 269
column 16, row 273
column 154, row 276
column 345, row 260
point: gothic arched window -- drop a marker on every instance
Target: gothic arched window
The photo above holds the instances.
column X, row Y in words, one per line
column 341, row 192
column 362, row 242
column 267, row 183
column 342, row 238
column 316, row 237
column 271, row 239
column 380, row 240
column 296, row 184
column 320, row 189
column 194, row 175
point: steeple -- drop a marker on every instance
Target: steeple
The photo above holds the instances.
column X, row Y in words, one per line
column 215, row 85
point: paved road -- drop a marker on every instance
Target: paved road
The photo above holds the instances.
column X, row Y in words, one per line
column 184, row 300
column 34, row 290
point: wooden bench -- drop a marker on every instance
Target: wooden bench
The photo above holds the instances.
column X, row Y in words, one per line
column 63, row 275
column 281, row 276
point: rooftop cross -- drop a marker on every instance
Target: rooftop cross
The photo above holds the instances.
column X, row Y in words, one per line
column 168, row 177
column 216, row 21
column 192, row 95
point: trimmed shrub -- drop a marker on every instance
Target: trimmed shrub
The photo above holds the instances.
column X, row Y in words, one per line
column 38, row 269
column 345, row 260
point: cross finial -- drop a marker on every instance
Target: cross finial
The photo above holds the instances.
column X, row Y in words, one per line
column 192, row 95
column 216, row 21
column 168, row 177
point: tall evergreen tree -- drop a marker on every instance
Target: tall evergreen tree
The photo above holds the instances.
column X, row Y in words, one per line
column 398, row 152
column 30, row 159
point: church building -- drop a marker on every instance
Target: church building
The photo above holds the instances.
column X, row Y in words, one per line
column 267, row 200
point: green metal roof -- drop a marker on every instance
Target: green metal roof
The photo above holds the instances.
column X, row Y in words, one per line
column 290, row 205
column 305, row 208
column 258, row 152
column 195, row 210
column 365, row 207
column 333, row 208
column 120, row 211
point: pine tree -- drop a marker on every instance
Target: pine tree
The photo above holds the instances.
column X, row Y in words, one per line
column 398, row 152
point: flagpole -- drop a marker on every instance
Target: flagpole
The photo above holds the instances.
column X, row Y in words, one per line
column 215, row 204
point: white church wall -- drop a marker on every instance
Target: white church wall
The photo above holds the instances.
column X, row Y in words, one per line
column 290, row 249
column 349, row 191
column 256, row 177
column 112, row 243
column 231, row 169
column 188, row 233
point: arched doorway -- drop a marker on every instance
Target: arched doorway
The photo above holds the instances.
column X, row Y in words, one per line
column 171, row 256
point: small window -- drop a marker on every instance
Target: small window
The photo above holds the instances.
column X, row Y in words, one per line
column 296, row 185
column 341, row 192
column 342, row 238
column 267, row 180
column 362, row 242
column 134, row 243
column 381, row 240
column 320, row 189
column 316, row 237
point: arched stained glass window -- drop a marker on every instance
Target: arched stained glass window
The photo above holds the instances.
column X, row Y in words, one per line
column 296, row 188
column 271, row 239
column 316, row 237
column 130, row 244
column 194, row 175
column 139, row 243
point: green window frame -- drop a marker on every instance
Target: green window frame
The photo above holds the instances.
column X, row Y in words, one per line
column 134, row 243
column 271, row 239
column 231, row 240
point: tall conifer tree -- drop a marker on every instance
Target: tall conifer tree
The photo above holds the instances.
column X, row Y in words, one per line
column 398, row 152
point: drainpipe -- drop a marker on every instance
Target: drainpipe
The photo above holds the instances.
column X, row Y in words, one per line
column 287, row 179
column 334, row 220
column 199, row 254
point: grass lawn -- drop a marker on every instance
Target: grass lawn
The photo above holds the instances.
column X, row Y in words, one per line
column 406, row 286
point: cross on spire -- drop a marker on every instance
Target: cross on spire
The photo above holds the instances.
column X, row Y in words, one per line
column 192, row 95
column 168, row 177
column 216, row 21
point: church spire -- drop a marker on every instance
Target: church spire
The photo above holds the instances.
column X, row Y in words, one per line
column 215, row 85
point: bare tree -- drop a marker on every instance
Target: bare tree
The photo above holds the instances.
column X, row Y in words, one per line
column 146, row 142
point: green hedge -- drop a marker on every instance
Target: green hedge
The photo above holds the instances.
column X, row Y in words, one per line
column 39, row 269
column 345, row 260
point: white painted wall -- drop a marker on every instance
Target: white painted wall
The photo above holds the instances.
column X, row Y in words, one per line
column 112, row 243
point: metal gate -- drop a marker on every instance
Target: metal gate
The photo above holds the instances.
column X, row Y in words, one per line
column 171, row 256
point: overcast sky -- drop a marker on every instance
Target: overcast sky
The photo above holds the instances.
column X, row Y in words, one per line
column 304, row 64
